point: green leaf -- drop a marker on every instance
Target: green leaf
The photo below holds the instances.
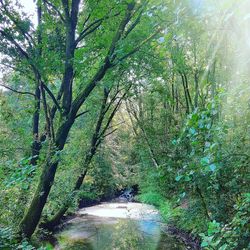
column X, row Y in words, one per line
column 223, row 247
column 212, row 167
column 177, row 178
column 192, row 131
column 183, row 195
column 204, row 244
column 204, row 161
column 174, row 142
column 187, row 178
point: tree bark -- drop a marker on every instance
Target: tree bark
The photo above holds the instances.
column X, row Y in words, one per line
column 31, row 218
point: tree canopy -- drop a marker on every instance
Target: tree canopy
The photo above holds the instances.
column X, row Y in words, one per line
column 97, row 96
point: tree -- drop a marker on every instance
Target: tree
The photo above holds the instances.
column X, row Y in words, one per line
column 29, row 48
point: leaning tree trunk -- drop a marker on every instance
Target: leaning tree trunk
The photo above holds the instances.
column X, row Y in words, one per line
column 59, row 215
column 96, row 140
column 31, row 219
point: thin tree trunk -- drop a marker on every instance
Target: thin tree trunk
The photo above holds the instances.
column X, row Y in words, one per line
column 203, row 202
column 187, row 90
column 35, row 149
column 68, row 201
column 150, row 149
column 177, row 100
column 196, row 81
column 185, row 94
column 96, row 139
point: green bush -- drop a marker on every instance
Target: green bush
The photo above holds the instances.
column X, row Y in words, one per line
column 235, row 234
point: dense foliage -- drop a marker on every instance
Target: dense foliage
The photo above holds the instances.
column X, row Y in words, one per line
column 97, row 96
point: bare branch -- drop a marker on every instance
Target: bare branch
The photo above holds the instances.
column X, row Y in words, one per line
column 88, row 31
column 82, row 113
column 109, row 133
column 86, row 20
column 17, row 91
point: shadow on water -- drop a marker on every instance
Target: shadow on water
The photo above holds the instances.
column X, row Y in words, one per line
column 97, row 233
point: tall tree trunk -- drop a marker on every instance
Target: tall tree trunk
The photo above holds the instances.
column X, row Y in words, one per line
column 36, row 144
column 173, row 97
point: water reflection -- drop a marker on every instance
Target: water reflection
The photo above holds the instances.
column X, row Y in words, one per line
column 97, row 233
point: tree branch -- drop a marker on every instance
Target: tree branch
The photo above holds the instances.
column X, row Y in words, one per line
column 65, row 4
column 55, row 9
column 111, row 116
column 109, row 133
column 52, row 96
column 13, row 41
column 92, row 27
column 46, row 112
column 80, row 99
column 82, row 113
column 25, row 34
column 17, row 91
column 138, row 47
column 137, row 20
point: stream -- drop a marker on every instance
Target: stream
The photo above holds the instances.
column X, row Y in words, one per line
column 119, row 226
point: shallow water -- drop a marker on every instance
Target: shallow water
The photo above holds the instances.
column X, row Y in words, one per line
column 116, row 226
